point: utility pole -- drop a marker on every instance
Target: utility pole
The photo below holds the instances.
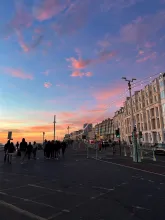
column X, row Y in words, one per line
column 68, row 129
column 54, row 127
column 43, row 137
column 134, row 142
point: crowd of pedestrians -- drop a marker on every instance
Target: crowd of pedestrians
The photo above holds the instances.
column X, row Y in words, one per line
column 51, row 149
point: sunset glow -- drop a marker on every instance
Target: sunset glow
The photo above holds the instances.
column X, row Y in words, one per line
column 67, row 58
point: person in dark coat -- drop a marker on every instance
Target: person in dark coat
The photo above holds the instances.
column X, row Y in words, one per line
column 48, row 150
column 28, row 151
column 63, row 148
column 52, row 149
column 6, row 147
column 23, row 145
column 11, row 150
column 34, row 150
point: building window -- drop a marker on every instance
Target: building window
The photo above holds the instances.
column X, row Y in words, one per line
column 163, row 108
column 162, row 94
column 152, row 112
column 161, row 84
column 154, row 89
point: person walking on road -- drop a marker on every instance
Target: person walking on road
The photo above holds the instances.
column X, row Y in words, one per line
column 11, row 150
column 28, row 151
column 34, row 150
column 6, row 147
column 44, row 147
column 63, row 148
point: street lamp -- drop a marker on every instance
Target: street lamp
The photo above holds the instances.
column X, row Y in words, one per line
column 68, row 129
column 130, row 93
column 43, row 137
column 135, row 158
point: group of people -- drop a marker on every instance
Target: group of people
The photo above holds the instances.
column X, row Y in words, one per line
column 51, row 150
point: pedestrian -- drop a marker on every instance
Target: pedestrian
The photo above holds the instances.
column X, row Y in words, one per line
column 6, row 147
column 23, row 145
column 34, row 150
column 44, row 147
column 52, row 149
column 63, row 148
column 17, row 145
column 48, row 150
column 11, row 150
column 28, row 151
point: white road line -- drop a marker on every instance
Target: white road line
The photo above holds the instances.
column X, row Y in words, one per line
column 20, row 211
column 17, row 187
column 157, row 165
column 95, row 187
column 133, row 168
column 53, row 190
column 55, row 215
column 18, row 174
column 2, row 193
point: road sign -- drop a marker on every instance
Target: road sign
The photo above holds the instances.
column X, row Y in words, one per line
column 10, row 135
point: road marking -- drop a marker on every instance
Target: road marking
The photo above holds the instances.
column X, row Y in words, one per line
column 95, row 187
column 17, row 187
column 157, row 165
column 18, row 174
column 133, row 168
column 20, row 211
column 53, row 190
column 2, row 193
column 55, row 215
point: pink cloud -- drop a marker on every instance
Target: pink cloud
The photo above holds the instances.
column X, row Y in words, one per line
column 140, row 29
column 77, row 74
column 108, row 93
column 141, row 52
column 18, row 73
column 106, row 55
column 47, row 85
column 78, row 63
column 23, row 45
column 47, row 9
column 21, row 42
column 149, row 44
column 107, row 5
column 89, row 74
column 145, row 58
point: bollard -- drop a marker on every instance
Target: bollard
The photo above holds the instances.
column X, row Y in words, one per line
column 154, row 158
column 125, row 153
column 141, row 153
column 131, row 153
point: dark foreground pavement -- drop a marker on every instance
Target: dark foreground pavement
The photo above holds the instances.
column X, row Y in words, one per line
column 78, row 188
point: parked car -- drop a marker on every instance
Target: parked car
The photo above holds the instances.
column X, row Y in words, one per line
column 160, row 149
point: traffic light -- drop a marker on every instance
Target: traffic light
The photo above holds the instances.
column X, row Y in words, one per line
column 117, row 133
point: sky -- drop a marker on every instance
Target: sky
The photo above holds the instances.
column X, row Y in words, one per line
column 67, row 58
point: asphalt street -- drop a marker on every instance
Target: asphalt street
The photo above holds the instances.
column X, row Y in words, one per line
column 111, row 187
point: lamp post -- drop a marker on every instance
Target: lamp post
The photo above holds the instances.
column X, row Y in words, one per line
column 134, row 142
column 68, row 129
column 54, row 127
column 43, row 137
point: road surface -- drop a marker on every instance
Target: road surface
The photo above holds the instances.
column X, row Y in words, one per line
column 81, row 188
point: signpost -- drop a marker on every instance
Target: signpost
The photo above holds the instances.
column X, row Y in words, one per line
column 9, row 135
